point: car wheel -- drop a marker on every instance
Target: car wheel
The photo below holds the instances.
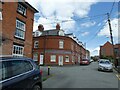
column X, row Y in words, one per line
column 36, row 87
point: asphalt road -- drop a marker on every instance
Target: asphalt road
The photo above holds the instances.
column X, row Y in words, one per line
column 80, row 77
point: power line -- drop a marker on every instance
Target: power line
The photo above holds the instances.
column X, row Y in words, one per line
column 87, row 18
column 112, row 8
column 97, row 32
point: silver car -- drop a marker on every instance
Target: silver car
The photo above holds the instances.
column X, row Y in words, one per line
column 105, row 65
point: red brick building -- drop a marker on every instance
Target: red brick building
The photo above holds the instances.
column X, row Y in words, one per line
column 107, row 50
column 17, row 27
column 54, row 47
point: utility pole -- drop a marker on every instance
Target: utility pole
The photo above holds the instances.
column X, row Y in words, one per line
column 111, row 36
column 110, row 29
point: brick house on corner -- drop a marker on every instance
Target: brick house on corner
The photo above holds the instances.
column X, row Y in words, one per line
column 107, row 50
column 17, row 27
column 54, row 47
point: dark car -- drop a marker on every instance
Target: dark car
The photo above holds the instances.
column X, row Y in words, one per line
column 84, row 61
column 19, row 73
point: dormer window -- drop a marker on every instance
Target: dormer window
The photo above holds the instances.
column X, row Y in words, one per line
column 21, row 9
column 61, row 33
column 37, row 33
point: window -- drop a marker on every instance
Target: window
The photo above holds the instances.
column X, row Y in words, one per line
column 61, row 44
column 53, row 58
column 67, row 59
column 0, row 15
column 17, row 50
column 36, row 44
column 14, row 68
column 37, row 33
column 35, row 56
column 20, row 29
column 21, row 9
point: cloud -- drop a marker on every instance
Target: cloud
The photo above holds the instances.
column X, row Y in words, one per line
column 88, row 24
column 85, row 33
column 95, row 51
column 106, row 32
column 52, row 10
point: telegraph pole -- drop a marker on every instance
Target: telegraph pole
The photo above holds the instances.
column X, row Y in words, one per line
column 111, row 36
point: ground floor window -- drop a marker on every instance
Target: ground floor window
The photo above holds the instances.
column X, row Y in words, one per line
column 53, row 58
column 35, row 56
column 67, row 58
column 18, row 50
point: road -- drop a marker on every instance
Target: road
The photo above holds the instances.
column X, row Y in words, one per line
column 86, row 76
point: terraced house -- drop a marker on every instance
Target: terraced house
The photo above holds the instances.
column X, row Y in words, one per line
column 54, row 47
column 17, row 26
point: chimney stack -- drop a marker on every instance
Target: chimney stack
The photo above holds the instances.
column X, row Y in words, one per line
column 40, row 27
column 58, row 26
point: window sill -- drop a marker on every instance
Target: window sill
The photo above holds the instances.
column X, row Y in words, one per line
column 22, row 14
column 19, row 38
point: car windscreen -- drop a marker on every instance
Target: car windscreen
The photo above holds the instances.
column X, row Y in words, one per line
column 104, row 62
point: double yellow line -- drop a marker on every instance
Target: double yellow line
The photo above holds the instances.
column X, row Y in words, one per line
column 118, row 76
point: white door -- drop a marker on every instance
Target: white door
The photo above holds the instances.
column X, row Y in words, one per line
column 41, row 59
column 60, row 60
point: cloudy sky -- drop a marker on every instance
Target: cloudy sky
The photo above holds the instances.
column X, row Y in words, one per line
column 86, row 20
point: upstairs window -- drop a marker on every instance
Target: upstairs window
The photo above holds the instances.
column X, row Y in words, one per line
column 61, row 44
column 36, row 44
column 20, row 29
column 21, row 9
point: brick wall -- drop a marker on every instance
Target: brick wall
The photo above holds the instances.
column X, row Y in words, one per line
column 51, row 45
column 10, row 15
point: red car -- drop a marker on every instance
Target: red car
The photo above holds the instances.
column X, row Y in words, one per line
column 84, row 61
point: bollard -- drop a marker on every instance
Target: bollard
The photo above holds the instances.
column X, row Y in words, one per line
column 48, row 70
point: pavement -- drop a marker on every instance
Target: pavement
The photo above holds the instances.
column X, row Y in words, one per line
column 79, row 77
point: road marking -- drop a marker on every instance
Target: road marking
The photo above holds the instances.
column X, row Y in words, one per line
column 118, row 76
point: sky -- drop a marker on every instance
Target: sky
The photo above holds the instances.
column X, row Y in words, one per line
column 86, row 20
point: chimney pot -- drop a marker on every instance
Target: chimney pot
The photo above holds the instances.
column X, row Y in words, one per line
column 58, row 26
column 40, row 27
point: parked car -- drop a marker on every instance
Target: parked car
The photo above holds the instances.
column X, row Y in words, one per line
column 91, row 60
column 105, row 65
column 84, row 61
column 19, row 73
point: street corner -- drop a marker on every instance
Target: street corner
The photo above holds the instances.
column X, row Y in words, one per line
column 46, row 73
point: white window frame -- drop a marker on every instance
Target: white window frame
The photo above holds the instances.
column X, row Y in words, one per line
column 1, row 15
column 19, row 50
column 53, row 58
column 20, row 29
column 67, row 58
column 21, row 9
column 61, row 44
column 35, row 56
column 36, row 44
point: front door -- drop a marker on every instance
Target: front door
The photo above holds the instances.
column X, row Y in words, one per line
column 60, row 60
column 41, row 59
